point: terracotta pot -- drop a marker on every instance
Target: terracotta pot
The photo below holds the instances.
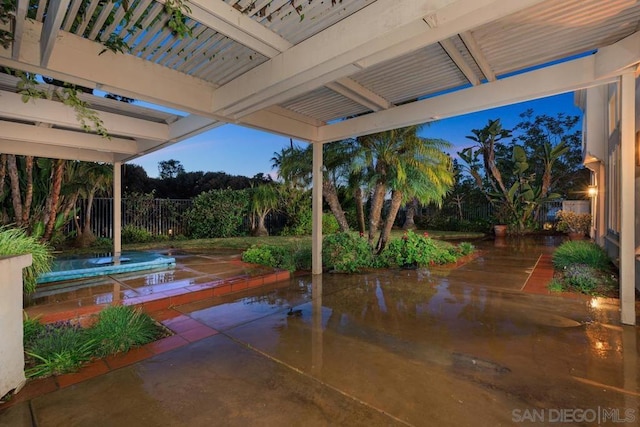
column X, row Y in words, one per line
column 500, row 230
column 576, row 236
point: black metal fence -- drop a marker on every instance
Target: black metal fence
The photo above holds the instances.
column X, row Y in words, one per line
column 167, row 216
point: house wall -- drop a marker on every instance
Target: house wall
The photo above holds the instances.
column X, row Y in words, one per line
column 601, row 153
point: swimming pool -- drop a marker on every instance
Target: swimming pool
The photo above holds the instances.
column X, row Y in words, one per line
column 79, row 266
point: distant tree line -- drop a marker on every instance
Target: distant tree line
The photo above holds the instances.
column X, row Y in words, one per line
column 175, row 183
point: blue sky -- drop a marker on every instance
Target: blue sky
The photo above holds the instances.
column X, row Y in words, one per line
column 242, row 151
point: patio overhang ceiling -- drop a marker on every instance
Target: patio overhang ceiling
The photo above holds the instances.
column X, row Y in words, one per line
column 315, row 70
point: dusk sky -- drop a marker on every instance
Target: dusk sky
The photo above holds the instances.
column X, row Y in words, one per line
column 242, row 151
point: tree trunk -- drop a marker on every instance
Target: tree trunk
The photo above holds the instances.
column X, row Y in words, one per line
column 261, row 229
column 409, row 222
column 28, row 194
column 86, row 237
column 16, row 198
column 360, row 210
column 56, row 186
column 331, row 196
column 376, row 210
column 396, row 202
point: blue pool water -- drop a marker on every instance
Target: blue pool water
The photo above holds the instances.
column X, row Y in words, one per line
column 67, row 268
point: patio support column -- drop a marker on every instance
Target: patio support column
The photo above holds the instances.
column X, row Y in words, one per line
column 316, row 204
column 117, row 210
column 627, row 199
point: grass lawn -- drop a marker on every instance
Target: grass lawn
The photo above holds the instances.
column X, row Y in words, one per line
column 242, row 243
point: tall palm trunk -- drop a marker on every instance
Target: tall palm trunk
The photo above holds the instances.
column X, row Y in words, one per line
column 28, row 195
column 396, row 202
column 331, row 196
column 376, row 210
column 56, row 186
column 14, row 180
column 360, row 210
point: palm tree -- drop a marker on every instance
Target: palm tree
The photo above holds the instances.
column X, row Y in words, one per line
column 98, row 177
column 264, row 199
column 295, row 167
column 408, row 165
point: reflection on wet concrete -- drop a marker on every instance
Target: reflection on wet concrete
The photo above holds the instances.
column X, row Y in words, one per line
column 453, row 347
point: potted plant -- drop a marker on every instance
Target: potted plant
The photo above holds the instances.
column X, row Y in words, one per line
column 577, row 225
column 500, row 226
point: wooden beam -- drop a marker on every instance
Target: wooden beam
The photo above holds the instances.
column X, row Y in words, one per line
column 565, row 77
column 356, row 92
column 78, row 61
column 460, row 62
column 224, row 19
column 475, row 51
column 18, row 27
column 58, row 114
column 612, row 59
column 65, row 138
column 22, row 148
column 52, row 24
column 379, row 32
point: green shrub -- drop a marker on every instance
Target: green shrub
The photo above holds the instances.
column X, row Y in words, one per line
column 15, row 241
column 121, row 327
column 417, row 250
column 466, row 248
column 329, row 224
column 580, row 252
column 58, row 349
column 133, row 234
column 346, row 252
column 218, row 213
column 302, row 258
column 301, row 225
column 271, row 256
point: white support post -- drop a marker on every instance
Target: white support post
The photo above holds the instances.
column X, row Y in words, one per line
column 627, row 200
column 117, row 210
column 316, row 235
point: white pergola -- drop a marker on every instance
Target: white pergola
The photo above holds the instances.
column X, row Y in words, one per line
column 314, row 70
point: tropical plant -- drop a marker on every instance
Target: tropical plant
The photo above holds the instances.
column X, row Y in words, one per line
column 294, row 166
column 15, row 241
column 97, row 177
column 409, row 166
column 264, row 199
column 509, row 183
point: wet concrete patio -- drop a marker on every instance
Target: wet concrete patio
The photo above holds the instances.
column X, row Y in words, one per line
column 445, row 346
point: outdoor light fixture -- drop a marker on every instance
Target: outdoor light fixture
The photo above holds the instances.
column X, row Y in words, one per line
column 592, row 190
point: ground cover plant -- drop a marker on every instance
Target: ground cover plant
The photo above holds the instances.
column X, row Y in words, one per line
column 582, row 266
column 62, row 347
